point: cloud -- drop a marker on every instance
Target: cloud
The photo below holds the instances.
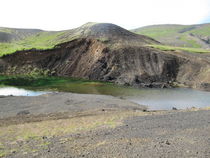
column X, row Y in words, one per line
column 66, row 14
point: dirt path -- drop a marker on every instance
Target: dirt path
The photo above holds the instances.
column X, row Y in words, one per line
column 120, row 130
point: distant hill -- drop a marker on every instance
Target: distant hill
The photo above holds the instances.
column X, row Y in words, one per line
column 196, row 36
column 12, row 40
column 12, row 34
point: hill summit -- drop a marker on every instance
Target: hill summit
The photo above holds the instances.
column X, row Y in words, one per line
column 107, row 32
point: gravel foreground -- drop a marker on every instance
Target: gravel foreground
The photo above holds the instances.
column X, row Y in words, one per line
column 65, row 125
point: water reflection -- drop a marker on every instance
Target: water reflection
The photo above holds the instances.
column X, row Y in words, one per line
column 6, row 91
column 166, row 99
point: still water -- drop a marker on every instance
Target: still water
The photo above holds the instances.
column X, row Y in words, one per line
column 8, row 91
column 155, row 99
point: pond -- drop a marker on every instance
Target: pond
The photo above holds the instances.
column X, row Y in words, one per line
column 155, row 99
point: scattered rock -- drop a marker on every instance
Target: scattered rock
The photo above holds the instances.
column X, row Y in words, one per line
column 24, row 112
column 174, row 108
column 167, row 142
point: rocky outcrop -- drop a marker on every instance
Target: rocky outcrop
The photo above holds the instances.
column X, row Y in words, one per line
column 139, row 66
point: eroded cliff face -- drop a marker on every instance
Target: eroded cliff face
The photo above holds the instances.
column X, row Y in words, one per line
column 92, row 59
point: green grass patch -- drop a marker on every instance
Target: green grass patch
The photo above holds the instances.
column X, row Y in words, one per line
column 171, row 48
column 3, row 153
column 191, row 42
column 203, row 30
column 6, row 30
column 42, row 40
column 160, row 31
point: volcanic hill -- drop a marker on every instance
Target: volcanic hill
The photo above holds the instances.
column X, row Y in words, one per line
column 106, row 52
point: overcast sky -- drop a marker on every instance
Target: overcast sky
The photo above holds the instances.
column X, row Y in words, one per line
column 67, row 14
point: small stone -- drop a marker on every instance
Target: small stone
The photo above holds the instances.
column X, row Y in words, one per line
column 167, row 142
column 24, row 112
column 13, row 151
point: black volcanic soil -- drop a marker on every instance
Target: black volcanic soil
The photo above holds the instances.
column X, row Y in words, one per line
column 75, row 125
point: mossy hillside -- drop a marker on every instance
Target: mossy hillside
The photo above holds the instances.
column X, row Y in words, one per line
column 43, row 40
column 186, row 49
column 177, row 35
column 158, row 31
column 203, row 30
column 192, row 42
column 39, row 40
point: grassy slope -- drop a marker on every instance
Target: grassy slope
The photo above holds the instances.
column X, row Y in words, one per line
column 42, row 40
column 186, row 49
column 28, row 39
column 177, row 35
column 158, row 31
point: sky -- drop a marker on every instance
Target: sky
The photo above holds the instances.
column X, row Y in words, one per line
column 130, row 14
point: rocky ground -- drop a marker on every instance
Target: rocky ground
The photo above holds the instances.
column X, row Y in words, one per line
column 75, row 125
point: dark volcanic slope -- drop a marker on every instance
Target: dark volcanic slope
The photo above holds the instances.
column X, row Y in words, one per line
column 112, row 54
column 111, row 31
